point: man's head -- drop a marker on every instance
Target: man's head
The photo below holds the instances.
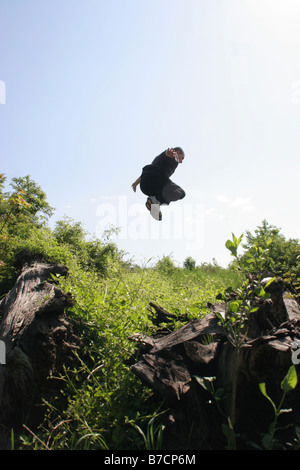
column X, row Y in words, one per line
column 180, row 154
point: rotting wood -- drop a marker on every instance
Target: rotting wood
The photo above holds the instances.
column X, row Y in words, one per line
column 169, row 364
column 39, row 341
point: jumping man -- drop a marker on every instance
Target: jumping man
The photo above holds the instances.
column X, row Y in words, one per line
column 156, row 184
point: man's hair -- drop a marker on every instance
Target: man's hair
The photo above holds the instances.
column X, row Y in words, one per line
column 179, row 149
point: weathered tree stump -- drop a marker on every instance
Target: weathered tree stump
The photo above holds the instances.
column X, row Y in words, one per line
column 170, row 365
column 39, row 341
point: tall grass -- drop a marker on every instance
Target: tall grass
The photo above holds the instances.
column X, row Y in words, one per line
column 100, row 400
column 101, row 404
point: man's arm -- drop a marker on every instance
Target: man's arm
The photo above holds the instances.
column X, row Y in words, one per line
column 136, row 183
column 171, row 153
column 174, row 154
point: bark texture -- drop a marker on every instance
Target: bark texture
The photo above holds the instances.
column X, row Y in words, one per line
column 39, row 341
column 171, row 364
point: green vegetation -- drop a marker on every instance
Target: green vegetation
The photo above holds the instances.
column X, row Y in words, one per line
column 267, row 250
column 101, row 404
column 287, row 385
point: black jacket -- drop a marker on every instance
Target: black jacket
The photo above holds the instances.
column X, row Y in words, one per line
column 162, row 165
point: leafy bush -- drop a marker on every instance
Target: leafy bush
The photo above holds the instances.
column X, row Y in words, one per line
column 91, row 253
column 268, row 250
column 270, row 247
column 189, row 263
column 166, row 265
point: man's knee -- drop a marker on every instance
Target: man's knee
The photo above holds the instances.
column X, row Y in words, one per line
column 182, row 194
column 171, row 192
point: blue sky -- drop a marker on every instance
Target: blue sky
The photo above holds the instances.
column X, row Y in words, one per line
column 94, row 90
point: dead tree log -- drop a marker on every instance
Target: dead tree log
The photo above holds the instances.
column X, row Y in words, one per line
column 170, row 365
column 38, row 340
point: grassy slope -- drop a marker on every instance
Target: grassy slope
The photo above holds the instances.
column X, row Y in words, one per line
column 102, row 396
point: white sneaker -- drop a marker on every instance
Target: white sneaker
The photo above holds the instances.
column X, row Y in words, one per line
column 153, row 205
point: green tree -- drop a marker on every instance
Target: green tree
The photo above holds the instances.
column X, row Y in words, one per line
column 10, row 204
column 274, row 252
column 189, row 263
column 39, row 208
column 166, row 265
column 70, row 232
column 91, row 253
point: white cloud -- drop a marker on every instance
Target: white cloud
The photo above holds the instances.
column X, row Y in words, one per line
column 222, row 198
column 238, row 201
column 248, row 208
column 210, row 211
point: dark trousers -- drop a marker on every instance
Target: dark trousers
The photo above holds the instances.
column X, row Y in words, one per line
column 162, row 188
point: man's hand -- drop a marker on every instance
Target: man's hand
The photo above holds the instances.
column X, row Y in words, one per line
column 135, row 184
column 171, row 153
